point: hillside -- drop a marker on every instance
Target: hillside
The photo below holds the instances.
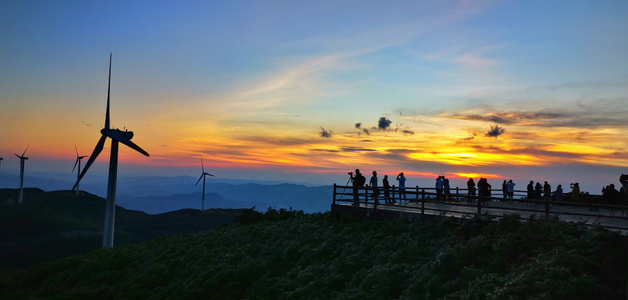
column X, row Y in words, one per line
column 290, row 255
column 51, row 225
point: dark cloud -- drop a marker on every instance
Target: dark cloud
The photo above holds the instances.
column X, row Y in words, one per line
column 470, row 137
column 509, row 117
column 407, row 132
column 383, row 123
column 269, row 140
column 325, row 133
column 495, row 131
column 356, row 149
column 366, row 131
column 358, row 125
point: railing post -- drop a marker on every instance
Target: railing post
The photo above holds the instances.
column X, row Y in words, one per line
column 334, row 198
column 422, row 202
column 457, row 195
column 479, row 206
column 417, row 193
column 366, row 195
column 547, row 206
column 392, row 193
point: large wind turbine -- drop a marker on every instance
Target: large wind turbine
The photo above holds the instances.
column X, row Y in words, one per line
column 22, row 159
column 117, row 136
column 78, row 172
column 199, row 180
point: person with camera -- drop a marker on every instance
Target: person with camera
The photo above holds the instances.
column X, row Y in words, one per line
column 402, row 186
column 358, row 180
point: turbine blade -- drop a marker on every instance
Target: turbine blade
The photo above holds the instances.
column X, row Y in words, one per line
column 17, row 155
column 76, row 163
column 92, row 158
column 199, row 180
column 76, row 150
column 29, row 144
column 211, row 175
column 202, row 167
column 115, row 134
column 108, row 94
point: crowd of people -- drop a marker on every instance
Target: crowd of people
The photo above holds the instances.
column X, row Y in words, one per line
column 535, row 191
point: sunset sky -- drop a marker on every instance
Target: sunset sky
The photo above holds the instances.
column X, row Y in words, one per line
column 306, row 91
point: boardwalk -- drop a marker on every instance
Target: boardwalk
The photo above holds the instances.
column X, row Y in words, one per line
column 422, row 202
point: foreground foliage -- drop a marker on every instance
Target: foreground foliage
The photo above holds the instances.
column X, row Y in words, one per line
column 291, row 255
column 52, row 225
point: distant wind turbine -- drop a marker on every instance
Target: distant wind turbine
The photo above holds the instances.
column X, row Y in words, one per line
column 22, row 159
column 117, row 136
column 199, row 180
column 78, row 172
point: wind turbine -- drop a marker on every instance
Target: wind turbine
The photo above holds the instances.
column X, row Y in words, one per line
column 199, row 180
column 117, row 136
column 22, row 159
column 78, row 172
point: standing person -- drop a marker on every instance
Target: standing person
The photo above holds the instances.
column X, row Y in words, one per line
column 530, row 190
column 470, row 190
column 402, row 186
column 538, row 192
column 357, row 181
column 559, row 193
column 439, row 187
column 485, row 189
column 373, row 184
column 386, row 186
column 547, row 191
column 575, row 191
column 511, row 189
column 446, row 189
column 505, row 190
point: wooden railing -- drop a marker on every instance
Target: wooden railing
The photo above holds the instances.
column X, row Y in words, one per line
column 457, row 203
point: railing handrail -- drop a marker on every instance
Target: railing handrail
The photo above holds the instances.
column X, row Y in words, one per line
column 425, row 195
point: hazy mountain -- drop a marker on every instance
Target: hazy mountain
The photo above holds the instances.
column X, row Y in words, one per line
column 158, row 194
column 222, row 195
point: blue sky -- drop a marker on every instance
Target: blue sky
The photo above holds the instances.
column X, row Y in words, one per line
column 274, row 89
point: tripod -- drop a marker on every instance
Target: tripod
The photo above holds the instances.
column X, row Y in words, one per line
column 345, row 188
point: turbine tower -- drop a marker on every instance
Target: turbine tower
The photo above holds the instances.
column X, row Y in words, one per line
column 78, row 172
column 22, row 159
column 199, row 180
column 117, row 136
column 1, row 162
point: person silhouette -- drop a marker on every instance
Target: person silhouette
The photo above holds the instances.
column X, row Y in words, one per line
column 386, row 186
column 439, row 187
column 357, row 182
column 402, row 186
column 511, row 189
column 505, row 190
column 470, row 190
column 373, row 185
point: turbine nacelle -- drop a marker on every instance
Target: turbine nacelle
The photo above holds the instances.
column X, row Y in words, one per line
column 21, row 157
column 117, row 132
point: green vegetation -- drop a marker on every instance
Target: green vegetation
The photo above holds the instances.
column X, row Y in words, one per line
column 291, row 255
column 52, row 225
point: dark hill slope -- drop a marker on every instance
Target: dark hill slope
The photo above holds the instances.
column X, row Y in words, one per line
column 50, row 225
column 288, row 255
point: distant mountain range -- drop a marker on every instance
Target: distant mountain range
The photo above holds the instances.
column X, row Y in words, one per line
column 155, row 195
column 297, row 197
